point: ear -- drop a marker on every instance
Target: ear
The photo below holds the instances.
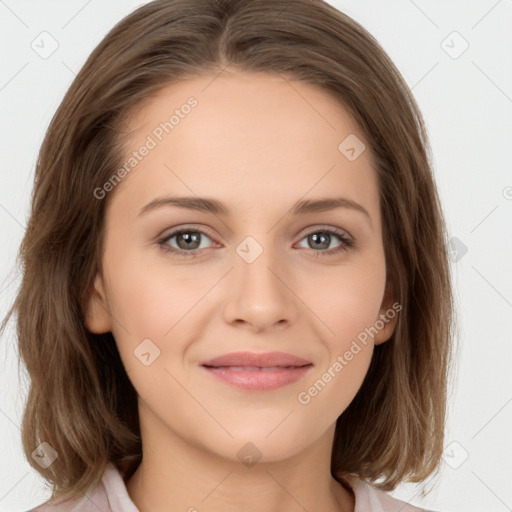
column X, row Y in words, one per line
column 388, row 316
column 97, row 316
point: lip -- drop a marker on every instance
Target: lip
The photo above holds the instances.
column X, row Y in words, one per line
column 263, row 360
column 257, row 372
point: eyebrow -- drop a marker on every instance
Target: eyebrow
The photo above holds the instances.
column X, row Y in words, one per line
column 210, row 205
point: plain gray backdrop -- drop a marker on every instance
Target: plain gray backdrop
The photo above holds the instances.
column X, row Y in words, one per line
column 456, row 57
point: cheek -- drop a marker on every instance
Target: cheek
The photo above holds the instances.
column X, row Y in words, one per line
column 334, row 387
column 350, row 306
column 149, row 300
column 149, row 311
column 157, row 303
column 347, row 300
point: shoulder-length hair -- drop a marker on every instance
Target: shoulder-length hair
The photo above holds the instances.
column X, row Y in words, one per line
column 80, row 400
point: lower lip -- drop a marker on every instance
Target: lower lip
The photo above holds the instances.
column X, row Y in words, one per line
column 259, row 380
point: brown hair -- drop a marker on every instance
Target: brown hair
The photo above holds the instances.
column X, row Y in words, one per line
column 80, row 400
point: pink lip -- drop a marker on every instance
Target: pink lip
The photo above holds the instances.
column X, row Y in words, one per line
column 254, row 359
column 248, row 372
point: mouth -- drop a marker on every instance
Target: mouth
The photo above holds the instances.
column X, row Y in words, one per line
column 257, row 372
column 254, row 368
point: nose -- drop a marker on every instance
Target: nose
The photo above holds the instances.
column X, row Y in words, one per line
column 260, row 294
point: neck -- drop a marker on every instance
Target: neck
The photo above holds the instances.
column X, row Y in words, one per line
column 176, row 475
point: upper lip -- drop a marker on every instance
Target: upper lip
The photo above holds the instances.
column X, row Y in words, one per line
column 262, row 360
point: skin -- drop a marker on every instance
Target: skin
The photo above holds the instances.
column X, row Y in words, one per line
column 257, row 143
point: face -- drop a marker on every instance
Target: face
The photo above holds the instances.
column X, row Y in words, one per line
column 254, row 275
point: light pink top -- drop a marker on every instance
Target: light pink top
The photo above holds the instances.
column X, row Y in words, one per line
column 111, row 496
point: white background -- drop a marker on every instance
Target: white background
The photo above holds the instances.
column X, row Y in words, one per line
column 467, row 105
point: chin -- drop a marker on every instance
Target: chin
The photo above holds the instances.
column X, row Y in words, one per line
column 253, row 446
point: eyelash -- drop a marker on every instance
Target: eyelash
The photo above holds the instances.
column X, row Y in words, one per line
column 347, row 243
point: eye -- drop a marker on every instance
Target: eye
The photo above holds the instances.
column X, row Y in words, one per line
column 321, row 240
column 188, row 241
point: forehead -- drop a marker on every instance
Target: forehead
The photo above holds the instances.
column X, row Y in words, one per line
column 248, row 137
